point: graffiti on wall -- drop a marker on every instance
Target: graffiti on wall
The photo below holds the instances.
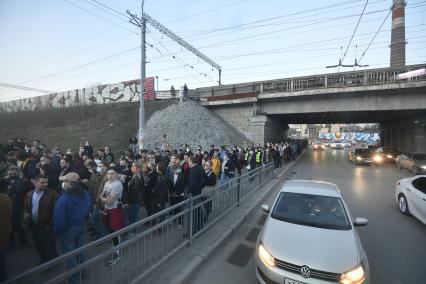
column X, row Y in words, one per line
column 127, row 91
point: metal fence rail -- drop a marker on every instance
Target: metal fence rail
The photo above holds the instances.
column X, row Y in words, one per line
column 367, row 77
column 149, row 242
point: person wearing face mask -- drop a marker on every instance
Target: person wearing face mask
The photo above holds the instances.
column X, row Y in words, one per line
column 150, row 181
column 228, row 170
column 134, row 196
column 71, row 210
column 16, row 189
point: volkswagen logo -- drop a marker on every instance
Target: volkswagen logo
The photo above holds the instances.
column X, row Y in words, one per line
column 305, row 271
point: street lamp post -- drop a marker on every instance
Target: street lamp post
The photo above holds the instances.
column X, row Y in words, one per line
column 141, row 140
column 156, row 80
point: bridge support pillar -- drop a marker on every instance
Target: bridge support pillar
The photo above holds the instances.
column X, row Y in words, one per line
column 264, row 129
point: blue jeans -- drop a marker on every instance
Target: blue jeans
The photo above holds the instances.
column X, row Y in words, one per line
column 72, row 239
column 99, row 227
column 224, row 179
column 132, row 213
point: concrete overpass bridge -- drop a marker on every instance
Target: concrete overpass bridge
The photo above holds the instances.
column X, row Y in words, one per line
column 262, row 110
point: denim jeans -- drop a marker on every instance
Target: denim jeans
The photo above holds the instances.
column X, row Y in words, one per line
column 72, row 239
column 223, row 180
column 132, row 213
column 100, row 229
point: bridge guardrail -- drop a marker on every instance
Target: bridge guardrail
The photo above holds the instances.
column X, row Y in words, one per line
column 150, row 241
column 333, row 80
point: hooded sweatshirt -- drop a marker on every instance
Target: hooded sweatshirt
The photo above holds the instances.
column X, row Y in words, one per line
column 71, row 209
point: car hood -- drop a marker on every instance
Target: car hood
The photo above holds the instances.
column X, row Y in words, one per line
column 321, row 249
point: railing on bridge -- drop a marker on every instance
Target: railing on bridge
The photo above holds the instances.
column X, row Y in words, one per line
column 149, row 242
column 333, row 80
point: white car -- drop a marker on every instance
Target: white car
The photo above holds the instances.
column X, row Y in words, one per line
column 337, row 144
column 410, row 194
column 309, row 237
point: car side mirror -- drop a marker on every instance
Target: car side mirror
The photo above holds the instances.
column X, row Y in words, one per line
column 265, row 208
column 360, row 222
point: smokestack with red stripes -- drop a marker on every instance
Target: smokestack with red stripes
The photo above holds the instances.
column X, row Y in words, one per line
column 397, row 56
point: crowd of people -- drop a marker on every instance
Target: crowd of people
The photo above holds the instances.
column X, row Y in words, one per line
column 61, row 197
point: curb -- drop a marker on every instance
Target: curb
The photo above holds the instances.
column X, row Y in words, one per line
column 194, row 265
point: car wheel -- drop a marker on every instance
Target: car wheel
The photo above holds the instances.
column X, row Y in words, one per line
column 403, row 204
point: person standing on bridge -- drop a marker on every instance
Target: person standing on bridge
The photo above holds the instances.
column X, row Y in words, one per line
column 185, row 92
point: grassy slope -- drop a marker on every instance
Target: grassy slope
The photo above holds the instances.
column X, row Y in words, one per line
column 110, row 124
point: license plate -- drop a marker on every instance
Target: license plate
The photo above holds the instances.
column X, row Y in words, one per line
column 291, row 281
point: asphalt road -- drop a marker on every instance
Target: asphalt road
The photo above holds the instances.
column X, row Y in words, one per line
column 395, row 243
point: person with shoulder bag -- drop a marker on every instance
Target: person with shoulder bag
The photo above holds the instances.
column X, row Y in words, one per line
column 113, row 209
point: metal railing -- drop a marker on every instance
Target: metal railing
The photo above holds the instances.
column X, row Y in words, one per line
column 149, row 242
column 368, row 77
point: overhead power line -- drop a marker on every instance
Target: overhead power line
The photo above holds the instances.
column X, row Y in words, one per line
column 24, row 88
column 157, row 25
column 378, row 30
column 353, row 34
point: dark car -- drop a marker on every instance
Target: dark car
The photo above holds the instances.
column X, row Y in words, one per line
column 415, row 162
column 361, row 156
column 388, row 154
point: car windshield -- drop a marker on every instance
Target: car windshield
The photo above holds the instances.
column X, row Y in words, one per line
column 362, row 151
column 419, row 156
column 311, row 210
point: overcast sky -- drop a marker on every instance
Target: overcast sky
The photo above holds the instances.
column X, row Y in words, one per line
column 60, row 45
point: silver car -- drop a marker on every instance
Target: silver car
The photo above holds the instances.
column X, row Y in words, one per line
column 309, row 237
column 415, row 162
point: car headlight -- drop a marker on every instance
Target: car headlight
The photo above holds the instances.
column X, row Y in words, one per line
column 378, row 158
column 354, row 276
column 423, row 167
column 266, row 257
column 389, row 156
column 358, row 158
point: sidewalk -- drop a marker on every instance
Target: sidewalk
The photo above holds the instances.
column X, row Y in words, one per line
column 184, row 264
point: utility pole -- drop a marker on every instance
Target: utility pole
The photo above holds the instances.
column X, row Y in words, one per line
column 141, row 138
column 141, row 22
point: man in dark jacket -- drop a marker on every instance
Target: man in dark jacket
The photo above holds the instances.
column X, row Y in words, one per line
column 176, row 178
column 194, row 184
column 69, row 216
column 150, row 181
column 5, row 230
column 16, row 189
column 134, row 196
column 39, row 204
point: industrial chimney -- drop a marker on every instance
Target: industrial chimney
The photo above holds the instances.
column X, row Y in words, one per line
column 397, row 56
